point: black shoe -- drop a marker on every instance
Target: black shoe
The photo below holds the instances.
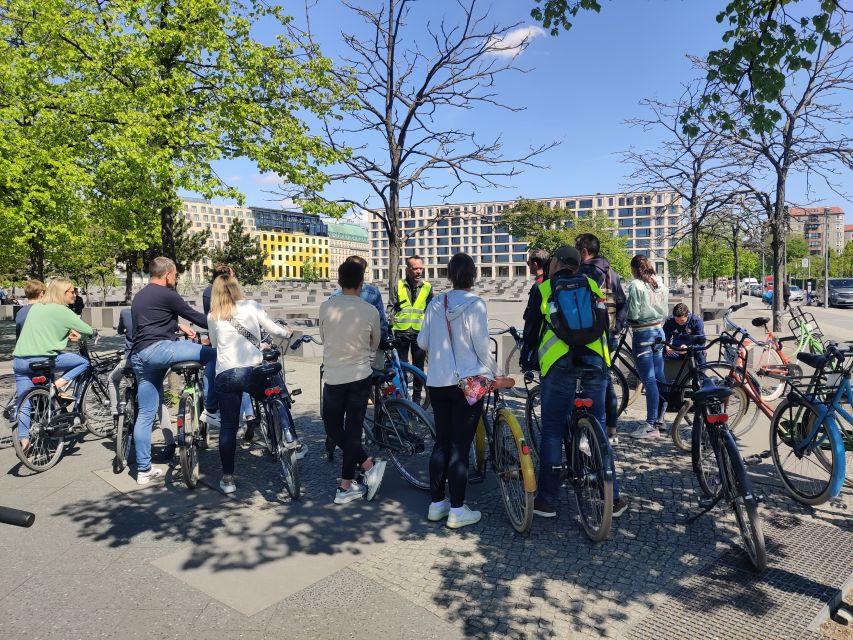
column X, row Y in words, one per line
column 543, row 509
column 168, row 452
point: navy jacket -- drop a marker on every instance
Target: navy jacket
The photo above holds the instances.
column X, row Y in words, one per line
column 683, row 335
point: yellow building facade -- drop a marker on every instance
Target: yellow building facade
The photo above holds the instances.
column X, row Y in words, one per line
column 287, row 253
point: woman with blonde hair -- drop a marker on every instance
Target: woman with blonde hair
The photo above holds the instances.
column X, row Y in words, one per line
column 647, row 309
column 50, row 325
column 235, row 324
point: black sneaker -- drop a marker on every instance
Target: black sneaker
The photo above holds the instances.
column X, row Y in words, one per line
column 543, row 509
column 168, row 452
column 249, row 434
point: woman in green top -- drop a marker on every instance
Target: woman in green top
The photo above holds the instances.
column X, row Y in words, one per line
column 49, row 326
column 647, row 309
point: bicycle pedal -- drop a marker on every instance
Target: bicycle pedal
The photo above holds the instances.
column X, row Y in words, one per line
column 296, row 391
column 760, row 498
column 706, row 503
column 752, row 460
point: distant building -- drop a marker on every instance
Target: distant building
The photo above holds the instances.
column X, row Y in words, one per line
column 202, row 214
column 818, row 229
column 346, row 240
column 648, row 221
column 288, row 221
column 287, row 253
column 848, row 233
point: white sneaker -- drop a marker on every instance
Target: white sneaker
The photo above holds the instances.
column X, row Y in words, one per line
column 211, row 419
column 462, row 517
column 144, row 477
column 438, row 510
column 645, row 431
column 227, row 484
column 614, row 441
column 301, row 451
column 353, row 493
column 373, row 478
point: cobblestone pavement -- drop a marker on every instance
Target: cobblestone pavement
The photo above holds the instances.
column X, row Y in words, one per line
column 656, row 576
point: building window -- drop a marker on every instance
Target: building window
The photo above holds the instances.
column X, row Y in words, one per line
column 585, row 204
column 626, row 212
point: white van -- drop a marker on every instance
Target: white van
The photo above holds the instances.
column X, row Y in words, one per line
column 746, row 283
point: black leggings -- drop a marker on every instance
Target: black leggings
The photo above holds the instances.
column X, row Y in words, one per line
column 455, row 424
column 344, row 406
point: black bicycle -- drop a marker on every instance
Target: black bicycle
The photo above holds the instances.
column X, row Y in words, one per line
column 719, row 466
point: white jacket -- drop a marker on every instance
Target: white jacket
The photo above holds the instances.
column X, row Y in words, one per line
column 472, row 350
column 232, row 349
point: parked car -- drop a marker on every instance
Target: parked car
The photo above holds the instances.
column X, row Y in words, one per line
column 796, row 293
column 755, row 290
column 746, row 285
column 840, row 292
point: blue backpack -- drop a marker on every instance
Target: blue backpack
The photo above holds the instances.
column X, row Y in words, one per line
column 578, row 315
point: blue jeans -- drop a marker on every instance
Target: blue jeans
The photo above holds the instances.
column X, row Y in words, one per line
column 69, row 365
column 150, row 367
column 235, row 388
column 558, row 397
column 649, row 359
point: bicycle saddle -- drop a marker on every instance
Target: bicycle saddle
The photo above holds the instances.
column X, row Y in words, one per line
column 185, row 367
column 42, row 365
column 378, row 377
column 760, row 322
column 711, row 392
column 267, row 369
column 814, row 360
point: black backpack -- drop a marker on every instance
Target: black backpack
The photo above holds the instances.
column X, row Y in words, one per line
column 578, row 315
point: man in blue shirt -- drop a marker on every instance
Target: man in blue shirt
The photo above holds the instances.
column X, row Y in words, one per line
column 680, row 329
column 372, row 295
column 34, row 290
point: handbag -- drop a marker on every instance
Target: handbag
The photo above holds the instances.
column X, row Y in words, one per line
column 473, row 387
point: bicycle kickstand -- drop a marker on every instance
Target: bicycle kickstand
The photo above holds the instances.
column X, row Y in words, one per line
column 707, row 505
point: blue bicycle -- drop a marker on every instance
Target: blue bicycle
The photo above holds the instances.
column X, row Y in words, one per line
column 810, row 448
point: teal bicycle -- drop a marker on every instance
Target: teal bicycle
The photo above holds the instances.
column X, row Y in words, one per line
column 810, row 445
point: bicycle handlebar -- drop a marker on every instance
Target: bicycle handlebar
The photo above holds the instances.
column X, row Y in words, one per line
column 305, row 339
column 16, row 517
column 510, row 330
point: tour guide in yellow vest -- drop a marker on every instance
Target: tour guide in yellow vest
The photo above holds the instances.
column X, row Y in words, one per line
column 561, row 366
column 413, row 296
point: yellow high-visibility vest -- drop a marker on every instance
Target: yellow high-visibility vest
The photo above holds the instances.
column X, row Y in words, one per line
column 551, row 348
column 411, row 316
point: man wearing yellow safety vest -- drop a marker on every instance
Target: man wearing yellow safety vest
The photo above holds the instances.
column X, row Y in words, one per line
column 413, row 296
column 561, row 365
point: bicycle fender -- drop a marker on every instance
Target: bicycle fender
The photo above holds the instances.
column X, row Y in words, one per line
column 524, row 457
column 836, row 442
column 480, row 445
column 739, row 468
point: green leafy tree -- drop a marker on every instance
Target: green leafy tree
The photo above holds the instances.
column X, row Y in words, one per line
column 243, row 254
column 550, row 228
column 796, row 248
column 310, row 271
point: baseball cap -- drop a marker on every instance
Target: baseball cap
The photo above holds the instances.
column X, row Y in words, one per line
column 568, row 256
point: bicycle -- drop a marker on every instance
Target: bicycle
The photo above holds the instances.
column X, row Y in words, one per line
column 806, row 331
column 53, row 420
column 623, row 360
column 397, row 425
column 190, row 436
column 126, row 420
column 729, row 480
column 509, row 454
column 805, row 431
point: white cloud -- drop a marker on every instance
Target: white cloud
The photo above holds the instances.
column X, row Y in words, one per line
column 269, row 179
column 234, row 178
column 286, row 203
column 514, row 42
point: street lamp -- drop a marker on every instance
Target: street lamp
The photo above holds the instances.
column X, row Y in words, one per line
column 826, row 257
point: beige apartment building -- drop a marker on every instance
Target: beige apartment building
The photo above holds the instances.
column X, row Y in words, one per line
column 818, row 229
column 346, row 240
column 649, row 222
column 202, row 214
column 848, row 233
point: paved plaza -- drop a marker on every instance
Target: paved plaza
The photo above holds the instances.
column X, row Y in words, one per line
column 106, row 559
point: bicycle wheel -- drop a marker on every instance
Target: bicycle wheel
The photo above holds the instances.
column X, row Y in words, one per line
column 746, row 509
column 628, row 366
column 593, row 491
column 95, row 406
column 620, row 386
column 124, row 432
column 736, row 405
column 682, row 427
column 533, row 420
column 514, row 469
column 188, row 437
column 811, row 479
column 408, row 434
column 44, row 449
column 761, row 360
column 265, row 427
column 414, row 374
column 286, row 457
column 703, row 458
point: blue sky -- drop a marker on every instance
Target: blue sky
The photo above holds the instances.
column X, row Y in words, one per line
column 581, row 88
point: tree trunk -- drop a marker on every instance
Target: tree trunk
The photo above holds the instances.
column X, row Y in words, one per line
column 736, row 257
column 777, row 242
column 695, row 300
column 37, row 256
column 128, row 280
column 167, row 232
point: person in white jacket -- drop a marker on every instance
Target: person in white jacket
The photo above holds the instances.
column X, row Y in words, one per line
column 456, row 354
column 236, row 358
